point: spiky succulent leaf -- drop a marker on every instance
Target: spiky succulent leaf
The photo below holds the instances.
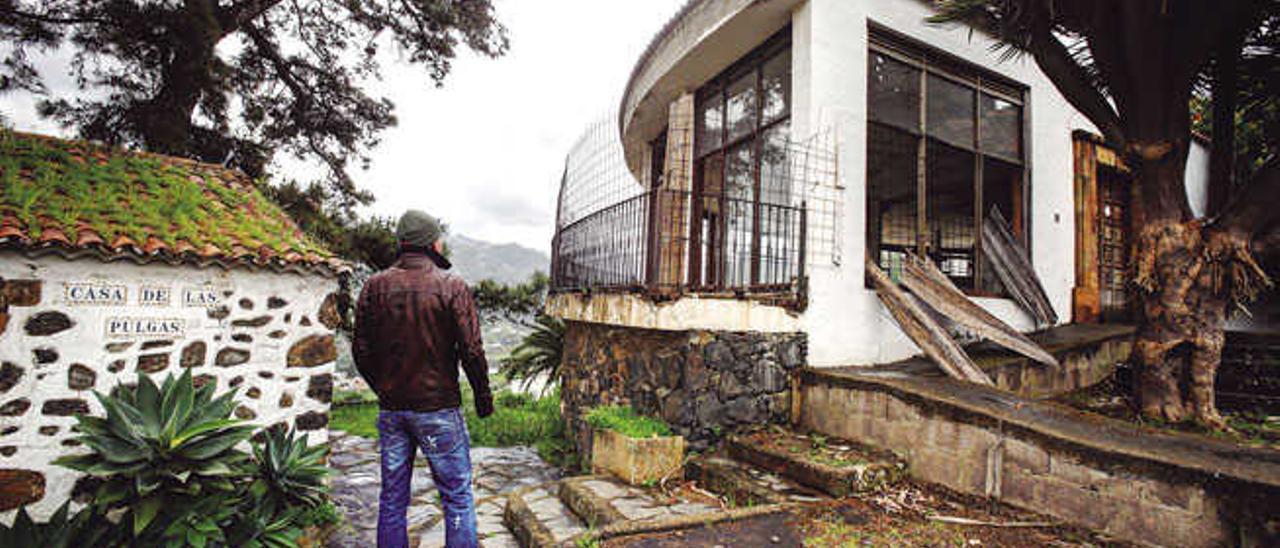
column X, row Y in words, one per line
column 62, row 530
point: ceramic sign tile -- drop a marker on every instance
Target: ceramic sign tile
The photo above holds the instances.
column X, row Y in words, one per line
column 145, row 328
column 94, row 294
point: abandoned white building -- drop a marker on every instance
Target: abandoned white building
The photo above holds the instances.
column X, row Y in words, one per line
column 768, row 148
column 115, row 264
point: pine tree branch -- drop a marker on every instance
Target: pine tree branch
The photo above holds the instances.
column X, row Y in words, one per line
column 233, row 17
column 55, row 19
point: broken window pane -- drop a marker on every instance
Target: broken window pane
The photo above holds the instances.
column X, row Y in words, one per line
column 1001, row 132
column 893, row 92
column 1002, row 189
column 891, row 195
column 949, row 201
column 950, row 112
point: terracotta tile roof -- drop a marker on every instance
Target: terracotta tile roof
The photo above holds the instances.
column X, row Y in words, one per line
column 79, row 199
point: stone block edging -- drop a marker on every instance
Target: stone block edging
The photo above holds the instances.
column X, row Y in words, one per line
column 664, row 525
column 522, row 522
column 594, row 509
column 1135, row 483
column 1069, row 428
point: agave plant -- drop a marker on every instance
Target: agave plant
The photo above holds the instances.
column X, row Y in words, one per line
column 201, row 522
column 289, row 473
column 258, row 526
column 539, row 353
column 61, row 531
column 160, row 448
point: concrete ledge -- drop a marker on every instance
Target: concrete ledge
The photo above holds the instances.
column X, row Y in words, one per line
column 837, row 481
column 682, row 314
column 1136, row 483
column 1088, row 354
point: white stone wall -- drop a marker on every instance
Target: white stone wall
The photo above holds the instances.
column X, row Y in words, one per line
column 267, row 336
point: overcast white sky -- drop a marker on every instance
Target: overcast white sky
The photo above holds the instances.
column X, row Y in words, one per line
column 486, row 151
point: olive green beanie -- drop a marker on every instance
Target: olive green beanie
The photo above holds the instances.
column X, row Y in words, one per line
column 417, row 228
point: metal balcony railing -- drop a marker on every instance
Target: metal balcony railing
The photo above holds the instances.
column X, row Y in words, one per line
column 671, row 240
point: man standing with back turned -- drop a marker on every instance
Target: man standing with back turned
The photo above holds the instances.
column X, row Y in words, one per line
column 414, row 323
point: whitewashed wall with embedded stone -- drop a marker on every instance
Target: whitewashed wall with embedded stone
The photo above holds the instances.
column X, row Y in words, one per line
column 70, row 327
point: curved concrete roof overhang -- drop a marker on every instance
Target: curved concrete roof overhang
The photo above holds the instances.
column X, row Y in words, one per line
column 704, row 38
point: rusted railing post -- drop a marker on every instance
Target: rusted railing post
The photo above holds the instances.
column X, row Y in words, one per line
column 804, row 236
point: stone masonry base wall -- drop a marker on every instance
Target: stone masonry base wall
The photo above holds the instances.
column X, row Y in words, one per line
column 1139, row 501
column 704, row 384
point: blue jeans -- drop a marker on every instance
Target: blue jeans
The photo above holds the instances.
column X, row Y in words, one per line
column 442, row 436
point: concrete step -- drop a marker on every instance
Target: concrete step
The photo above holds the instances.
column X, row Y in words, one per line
column 836, row 467
column 746, row 485
column 602, row 501
column 539, row 519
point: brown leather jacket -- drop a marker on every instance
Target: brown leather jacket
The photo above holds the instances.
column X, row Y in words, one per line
column 414, row 322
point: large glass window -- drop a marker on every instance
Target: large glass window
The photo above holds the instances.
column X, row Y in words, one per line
column 968, row 140
column 742, row 210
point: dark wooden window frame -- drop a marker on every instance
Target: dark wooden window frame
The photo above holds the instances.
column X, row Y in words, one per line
column 717, row 89
column 931, row 61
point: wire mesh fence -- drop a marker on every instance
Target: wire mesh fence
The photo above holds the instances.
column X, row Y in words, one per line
column 613, row 233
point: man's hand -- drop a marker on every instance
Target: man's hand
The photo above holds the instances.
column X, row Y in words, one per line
column 484, row 404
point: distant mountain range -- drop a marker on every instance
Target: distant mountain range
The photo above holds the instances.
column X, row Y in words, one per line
column 477, row 260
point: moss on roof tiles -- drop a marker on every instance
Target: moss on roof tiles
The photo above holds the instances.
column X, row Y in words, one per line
column 71, row 185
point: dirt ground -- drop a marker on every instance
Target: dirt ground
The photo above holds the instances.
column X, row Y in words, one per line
column 778, row 529
column 906, row 515
column 911, row 516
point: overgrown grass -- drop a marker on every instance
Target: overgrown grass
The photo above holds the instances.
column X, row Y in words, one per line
column 626, row 421
column 518, row 419
column 359, row 419
column 830, row 534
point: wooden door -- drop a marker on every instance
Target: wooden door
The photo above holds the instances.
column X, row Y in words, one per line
column 1113, row 245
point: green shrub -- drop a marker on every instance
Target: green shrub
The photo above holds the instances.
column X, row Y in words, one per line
column 324, row 514
column 169, row 466
column 539, row 354
column 624, row 420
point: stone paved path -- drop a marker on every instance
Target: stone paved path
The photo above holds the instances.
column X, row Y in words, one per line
column 496, row 472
